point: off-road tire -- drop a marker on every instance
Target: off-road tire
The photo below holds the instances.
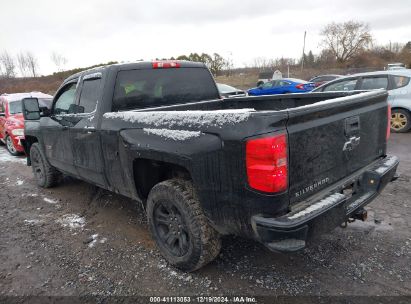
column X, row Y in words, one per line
column 46, row 175
column 203, row 242
column 12, row 150
column 403, row 115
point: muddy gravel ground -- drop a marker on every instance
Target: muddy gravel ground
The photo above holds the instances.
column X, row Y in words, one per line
column 77, row 239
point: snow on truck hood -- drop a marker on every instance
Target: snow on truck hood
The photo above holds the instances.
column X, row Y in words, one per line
column 197, row 119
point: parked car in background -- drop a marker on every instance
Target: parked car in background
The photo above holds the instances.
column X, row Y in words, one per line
column 321, row 79
column 12, row 121
column 396, row 66
column 282, row 86
column 264, row 77
column 267, row 76
column 398, row 84
column 227, row 91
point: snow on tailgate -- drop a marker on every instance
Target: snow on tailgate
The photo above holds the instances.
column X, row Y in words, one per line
column 184, row 118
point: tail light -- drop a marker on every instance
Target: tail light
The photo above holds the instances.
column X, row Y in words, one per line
column 165, row 64
column 300, row 86
column 388, row 122
column 267, row 164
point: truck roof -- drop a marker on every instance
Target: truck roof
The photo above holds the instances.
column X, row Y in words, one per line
column 137, row 65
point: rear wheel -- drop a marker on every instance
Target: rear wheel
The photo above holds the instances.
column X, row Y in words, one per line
column 46, row 175
column 400, row 120
column 10, row 146
column 179, row 226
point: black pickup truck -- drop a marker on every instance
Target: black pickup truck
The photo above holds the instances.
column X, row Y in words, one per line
column 277, row 169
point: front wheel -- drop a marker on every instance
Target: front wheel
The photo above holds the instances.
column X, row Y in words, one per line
column 179, row 226
column 46, row 175
column 400, row 120
column 10, row 146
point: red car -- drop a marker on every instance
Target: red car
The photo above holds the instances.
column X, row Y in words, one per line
column 12, row 121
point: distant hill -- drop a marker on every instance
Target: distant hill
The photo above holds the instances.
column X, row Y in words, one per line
column 46, row 84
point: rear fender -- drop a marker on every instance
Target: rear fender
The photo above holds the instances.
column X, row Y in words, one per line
column 401, row 103
column 179, row 148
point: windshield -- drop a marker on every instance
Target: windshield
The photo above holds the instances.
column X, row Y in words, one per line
column 15, row 107
column 136, row 89
column 45, row 103
column 223, row 88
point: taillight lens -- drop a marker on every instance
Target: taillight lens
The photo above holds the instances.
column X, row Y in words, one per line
column 165, row 64
column 300, row 86
column 389, row 122
column 267, row 164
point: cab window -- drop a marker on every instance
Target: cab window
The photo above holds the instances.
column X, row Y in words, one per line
column 142, row 88
column 343, row 85
column 65, row 100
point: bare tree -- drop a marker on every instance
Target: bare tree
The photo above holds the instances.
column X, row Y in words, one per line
column 59, row 60
column 8, row 65
column 396, row 47
column 22, row 64
column 262, row 63
column 32, row 64
column 346, row 40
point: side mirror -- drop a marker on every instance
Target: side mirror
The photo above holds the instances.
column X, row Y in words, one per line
column 75, row 109
column 31, row 109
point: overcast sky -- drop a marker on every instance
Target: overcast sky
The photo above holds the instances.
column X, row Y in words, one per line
column 95, row 31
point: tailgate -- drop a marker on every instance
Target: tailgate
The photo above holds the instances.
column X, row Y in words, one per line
column 330, row 140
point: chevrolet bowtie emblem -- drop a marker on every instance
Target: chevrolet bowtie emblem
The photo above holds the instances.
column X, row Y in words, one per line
column 352, row 143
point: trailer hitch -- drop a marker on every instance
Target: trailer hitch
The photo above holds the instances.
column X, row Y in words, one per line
column 360, row 214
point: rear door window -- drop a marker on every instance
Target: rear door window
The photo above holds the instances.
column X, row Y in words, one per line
column 144, row 88
column 373, row 83
column 90, row 94
column 400, row 81
column 343, row 85
column 283, row 83
column 269, row 84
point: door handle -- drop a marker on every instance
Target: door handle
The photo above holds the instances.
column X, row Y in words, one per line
column 352, row 124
